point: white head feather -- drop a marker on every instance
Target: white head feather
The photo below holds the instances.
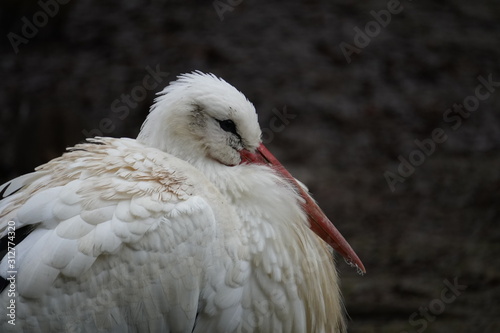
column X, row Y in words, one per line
column 191, row 120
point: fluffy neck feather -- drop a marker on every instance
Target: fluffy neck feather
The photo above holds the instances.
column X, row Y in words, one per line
column 276, row 229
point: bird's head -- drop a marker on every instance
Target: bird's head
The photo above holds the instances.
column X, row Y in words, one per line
column 200, row 116
column 204, row 120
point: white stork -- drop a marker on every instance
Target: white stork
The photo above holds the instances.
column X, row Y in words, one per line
column 192, row 227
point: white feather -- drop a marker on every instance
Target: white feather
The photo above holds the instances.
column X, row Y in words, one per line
column 160, row 234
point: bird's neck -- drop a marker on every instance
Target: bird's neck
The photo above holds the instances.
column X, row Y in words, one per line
column 283, row 251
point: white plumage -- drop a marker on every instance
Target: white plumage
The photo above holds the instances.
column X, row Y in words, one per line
column 193, row 227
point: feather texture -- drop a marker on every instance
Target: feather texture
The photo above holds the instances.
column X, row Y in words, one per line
column 147, row 236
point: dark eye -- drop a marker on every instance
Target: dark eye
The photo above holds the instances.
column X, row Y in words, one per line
column 228, row 126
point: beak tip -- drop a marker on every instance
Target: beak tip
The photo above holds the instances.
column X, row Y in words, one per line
column 360, row 268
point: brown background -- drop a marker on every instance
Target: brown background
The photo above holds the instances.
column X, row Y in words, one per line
column 352, row 122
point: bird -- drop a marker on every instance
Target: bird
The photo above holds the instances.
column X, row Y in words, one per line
column 194, row 226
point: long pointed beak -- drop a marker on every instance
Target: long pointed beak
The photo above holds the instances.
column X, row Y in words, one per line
column 318, row 221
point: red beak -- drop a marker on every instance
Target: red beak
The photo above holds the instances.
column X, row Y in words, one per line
column 318, row 221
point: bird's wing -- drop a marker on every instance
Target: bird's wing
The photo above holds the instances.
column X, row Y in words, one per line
column 109, row 223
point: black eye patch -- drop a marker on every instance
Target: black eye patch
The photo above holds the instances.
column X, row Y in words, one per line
column 228, row 126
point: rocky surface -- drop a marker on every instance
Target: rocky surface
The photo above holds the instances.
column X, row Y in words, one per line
column 355, row 119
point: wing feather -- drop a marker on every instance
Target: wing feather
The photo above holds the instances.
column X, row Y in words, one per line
column 121, row 231
column 98, row 215
column 39, row 208
column 34, row 274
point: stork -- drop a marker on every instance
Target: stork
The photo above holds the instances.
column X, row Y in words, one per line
column 192, row 227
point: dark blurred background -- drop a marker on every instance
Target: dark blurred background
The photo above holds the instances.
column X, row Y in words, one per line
column 63, row 78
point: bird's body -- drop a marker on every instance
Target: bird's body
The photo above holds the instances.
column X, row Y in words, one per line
column 167, row 233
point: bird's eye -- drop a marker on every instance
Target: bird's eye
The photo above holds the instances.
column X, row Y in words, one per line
column 228, row 126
